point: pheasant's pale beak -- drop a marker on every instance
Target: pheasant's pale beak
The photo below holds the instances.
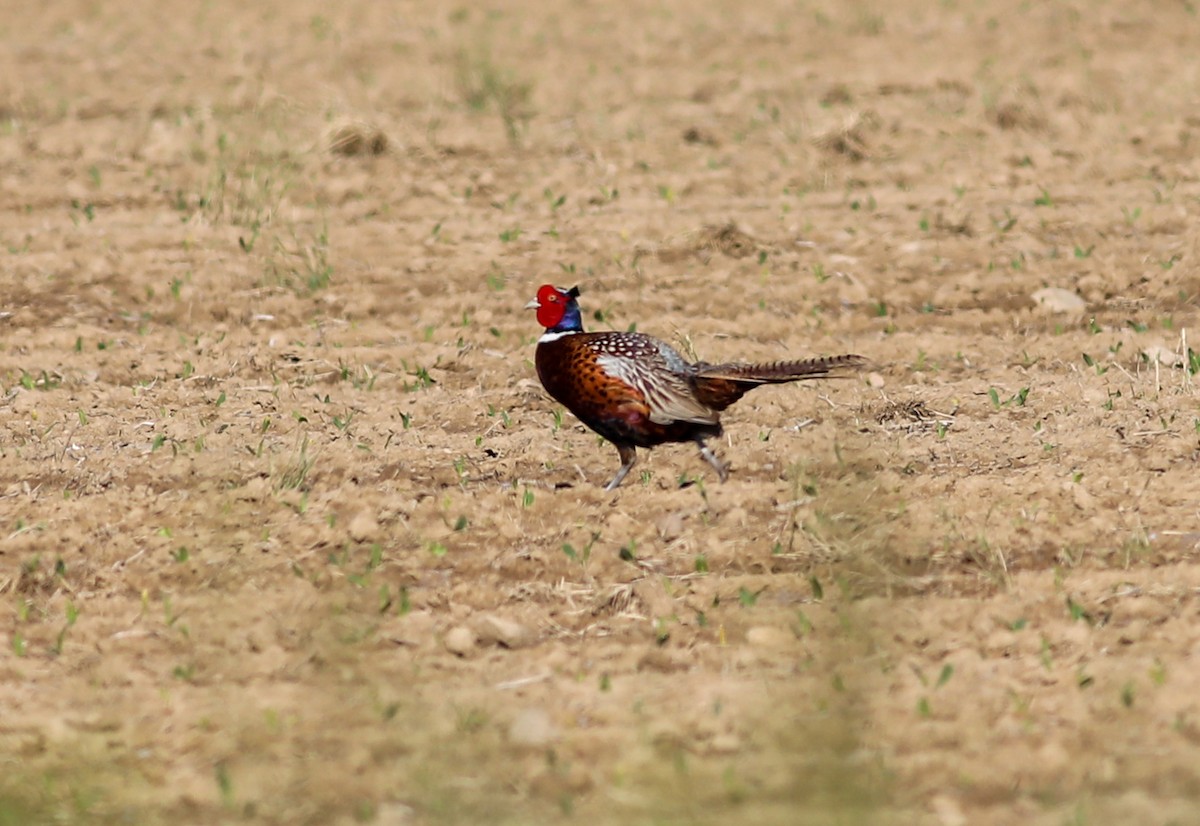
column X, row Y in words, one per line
column 533, row 305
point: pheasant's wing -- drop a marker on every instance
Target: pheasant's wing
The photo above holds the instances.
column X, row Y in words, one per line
column 668, row 394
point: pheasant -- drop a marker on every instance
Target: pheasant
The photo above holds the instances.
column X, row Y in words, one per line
column 637, row 391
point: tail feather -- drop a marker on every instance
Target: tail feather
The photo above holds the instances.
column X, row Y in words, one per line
column 720, row 385
column 775, row 372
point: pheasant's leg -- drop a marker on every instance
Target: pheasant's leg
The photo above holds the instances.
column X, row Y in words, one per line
column 720, row 467
column 628, row 458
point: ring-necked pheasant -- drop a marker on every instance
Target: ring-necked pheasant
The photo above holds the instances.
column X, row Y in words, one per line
column 637, row 391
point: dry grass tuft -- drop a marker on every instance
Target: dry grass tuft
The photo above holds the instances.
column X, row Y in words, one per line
column 729, row 239
column 1015, row 115
column 850, row 139
column 912, row 415
column 352, row 138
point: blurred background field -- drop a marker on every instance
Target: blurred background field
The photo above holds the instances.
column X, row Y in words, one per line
column 289, row 532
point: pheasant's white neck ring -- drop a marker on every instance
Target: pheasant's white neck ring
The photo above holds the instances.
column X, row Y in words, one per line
column 550, row 336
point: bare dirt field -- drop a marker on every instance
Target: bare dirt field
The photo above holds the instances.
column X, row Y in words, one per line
column 290, row 533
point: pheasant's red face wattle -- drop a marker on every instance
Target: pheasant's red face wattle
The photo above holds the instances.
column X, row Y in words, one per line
column 552, row 306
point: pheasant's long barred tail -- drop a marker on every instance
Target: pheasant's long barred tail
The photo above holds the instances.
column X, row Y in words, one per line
column 784, row 371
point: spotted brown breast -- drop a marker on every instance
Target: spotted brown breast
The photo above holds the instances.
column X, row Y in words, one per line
column 628, row 387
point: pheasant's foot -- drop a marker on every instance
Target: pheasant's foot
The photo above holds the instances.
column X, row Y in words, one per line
column 628, row 460
column 720, row 467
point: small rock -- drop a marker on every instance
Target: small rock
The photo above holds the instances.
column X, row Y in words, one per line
column 552, row 783
column 414, row 629
column 1058, row 300
column 495, row 630
column 532, row 727
column 1163, row 355
column 767, row 636
column 1083, row 499
column 363, row 527
column 727, row 743
column 671, row 526
column 947, row 811
column 255, row 488
column 1053, row 758
column 459, row 640
column 736, row 516
column 1077, row 634
column 652, row 594
column 394, row 814
column 1000, row 642
column 668, row 736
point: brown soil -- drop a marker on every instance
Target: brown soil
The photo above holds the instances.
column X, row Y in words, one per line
column 290, row 533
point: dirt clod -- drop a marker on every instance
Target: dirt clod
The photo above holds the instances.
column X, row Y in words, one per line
column 532, row 728
column 460, row 640
column 496, row 630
